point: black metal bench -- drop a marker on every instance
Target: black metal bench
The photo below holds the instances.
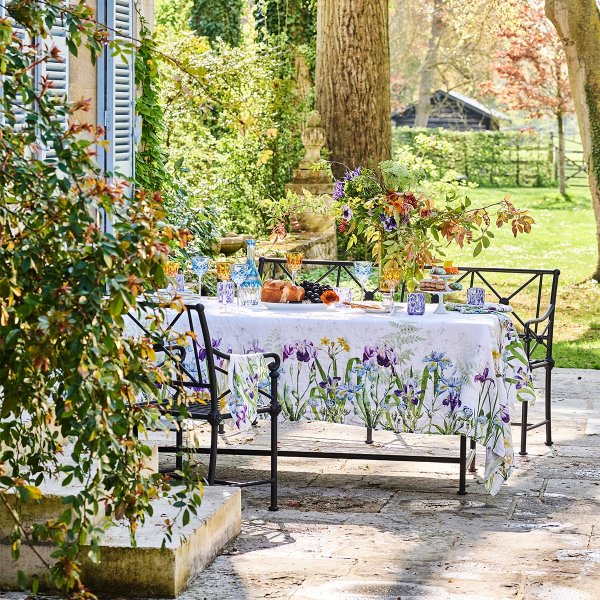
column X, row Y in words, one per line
column 536, row 325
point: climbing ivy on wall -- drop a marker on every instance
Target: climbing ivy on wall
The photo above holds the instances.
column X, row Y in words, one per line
column 296, row 18
column 150, row 160
column 217, row 19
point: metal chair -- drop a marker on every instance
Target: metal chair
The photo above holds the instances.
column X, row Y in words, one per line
column 199, row 372
column 536, row 325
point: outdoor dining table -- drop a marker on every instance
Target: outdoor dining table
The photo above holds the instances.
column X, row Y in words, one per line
column 448, row 374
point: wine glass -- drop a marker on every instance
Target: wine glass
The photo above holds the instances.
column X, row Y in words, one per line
column 392, row 277
column 200, row 267
column 363, row 270
column 294, row 263
column 223, row 270
column 239, row 272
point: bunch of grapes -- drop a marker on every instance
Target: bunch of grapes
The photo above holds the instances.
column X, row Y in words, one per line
column 313, row 291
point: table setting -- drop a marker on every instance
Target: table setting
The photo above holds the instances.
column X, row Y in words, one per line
column 447, row 367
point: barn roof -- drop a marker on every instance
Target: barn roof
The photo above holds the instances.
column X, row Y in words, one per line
column 467, row 101
column 475, row 105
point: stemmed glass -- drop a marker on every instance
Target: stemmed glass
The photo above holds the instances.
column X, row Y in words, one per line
column 223, row 274
column 294, row 263
column 239, row 272
column 200, row 267
column 392, row 277
column 363, row 270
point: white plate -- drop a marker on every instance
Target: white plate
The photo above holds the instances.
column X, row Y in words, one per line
column 378, row 308
column 293, row 307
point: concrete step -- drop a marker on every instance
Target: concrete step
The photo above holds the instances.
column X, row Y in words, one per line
column 150, row 569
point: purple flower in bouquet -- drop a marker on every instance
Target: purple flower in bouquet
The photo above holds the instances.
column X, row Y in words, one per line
column 339, row 190
column 389, row 223
column 346, row 213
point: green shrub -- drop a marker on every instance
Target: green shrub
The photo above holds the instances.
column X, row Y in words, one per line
column 488, row 158
column 234, row 119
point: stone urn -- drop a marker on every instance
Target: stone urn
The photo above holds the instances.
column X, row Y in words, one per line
column 317, row 181
column 231, row 243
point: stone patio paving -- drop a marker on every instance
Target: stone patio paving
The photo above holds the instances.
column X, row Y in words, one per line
column 363, row 530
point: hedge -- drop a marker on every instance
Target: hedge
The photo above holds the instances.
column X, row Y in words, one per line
column 490, row 158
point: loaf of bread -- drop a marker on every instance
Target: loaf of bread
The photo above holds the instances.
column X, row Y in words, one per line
column 275, row 290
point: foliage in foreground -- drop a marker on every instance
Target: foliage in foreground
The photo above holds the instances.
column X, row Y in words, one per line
column 69, row 378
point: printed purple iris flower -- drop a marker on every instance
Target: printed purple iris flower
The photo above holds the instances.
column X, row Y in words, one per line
column 305, row 351
column 409, row 392
column 523, row 377
column 453, row 401
column 504, row 414
column 288, row 351
column 202, row 350
column 347, row 213
column 385, row 356
column 485, row 376
column 240, row 416
column 330, row 384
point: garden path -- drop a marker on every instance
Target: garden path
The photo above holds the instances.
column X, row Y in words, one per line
column 355, row 530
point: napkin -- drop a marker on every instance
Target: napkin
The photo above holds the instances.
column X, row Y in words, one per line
column 487, row 308
column 246, row 375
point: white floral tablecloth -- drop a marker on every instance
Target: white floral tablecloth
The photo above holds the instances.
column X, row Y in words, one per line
column 441, row 374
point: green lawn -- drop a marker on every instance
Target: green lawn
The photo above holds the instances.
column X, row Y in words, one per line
column 563, row 238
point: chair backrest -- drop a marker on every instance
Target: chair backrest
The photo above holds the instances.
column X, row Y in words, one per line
column 335, row 271
column 177, row 339
column 531, row 293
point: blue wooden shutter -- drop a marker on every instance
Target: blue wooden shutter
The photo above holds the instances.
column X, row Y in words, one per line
column 118, row 87
column 57, row 71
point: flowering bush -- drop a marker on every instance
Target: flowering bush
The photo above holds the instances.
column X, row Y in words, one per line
column 407, row 216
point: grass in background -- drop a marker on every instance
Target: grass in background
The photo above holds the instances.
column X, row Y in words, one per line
column 564, row 237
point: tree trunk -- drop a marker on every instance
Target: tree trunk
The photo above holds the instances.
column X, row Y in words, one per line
column 427, row 80
column 353, row 81
column 562, row 179
column 578, row 25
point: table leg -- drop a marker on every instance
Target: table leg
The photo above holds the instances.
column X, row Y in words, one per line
column 462, row 482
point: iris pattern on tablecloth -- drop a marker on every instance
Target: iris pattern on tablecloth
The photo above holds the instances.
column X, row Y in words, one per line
column 327, row 382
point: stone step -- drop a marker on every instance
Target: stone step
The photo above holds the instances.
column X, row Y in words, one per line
column 150, row 569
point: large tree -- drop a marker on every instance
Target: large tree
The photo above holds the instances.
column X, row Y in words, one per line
column 445, row 44
column 578, row 25
column 532, row 70
column 353, row 81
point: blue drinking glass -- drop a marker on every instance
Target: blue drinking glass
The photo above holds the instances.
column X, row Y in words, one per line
column 363, row 270
column 200, row 267
column 239, row 272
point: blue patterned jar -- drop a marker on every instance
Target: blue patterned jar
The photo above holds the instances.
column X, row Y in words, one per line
column 225, row 292
column 476, row 296
column 416, row 304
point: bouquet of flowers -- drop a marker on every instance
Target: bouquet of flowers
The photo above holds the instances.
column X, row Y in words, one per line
column 408, row 223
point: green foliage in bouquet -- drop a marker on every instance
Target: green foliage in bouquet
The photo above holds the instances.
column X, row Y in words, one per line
column 71, row 380
column 408, row 212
